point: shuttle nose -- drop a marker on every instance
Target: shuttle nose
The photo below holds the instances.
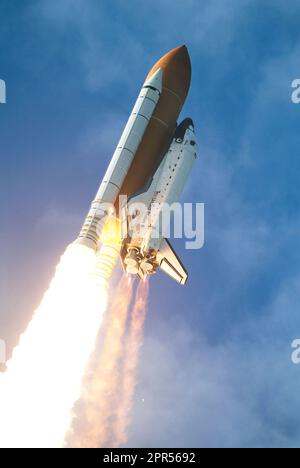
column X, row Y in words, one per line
column 182, row 128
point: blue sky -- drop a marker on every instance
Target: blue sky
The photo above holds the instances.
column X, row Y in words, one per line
column 215, row 365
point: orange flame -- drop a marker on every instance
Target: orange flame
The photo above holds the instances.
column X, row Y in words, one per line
column 92, row 421
column 131, row 360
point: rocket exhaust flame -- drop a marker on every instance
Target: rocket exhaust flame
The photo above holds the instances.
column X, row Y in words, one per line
column 43, row 377
column 99, row 394
column 102, row 415
column 130, row 365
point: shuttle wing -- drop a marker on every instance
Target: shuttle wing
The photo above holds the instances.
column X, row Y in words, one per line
column 170, row 263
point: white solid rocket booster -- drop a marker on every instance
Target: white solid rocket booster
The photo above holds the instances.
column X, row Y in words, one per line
column 121, row 160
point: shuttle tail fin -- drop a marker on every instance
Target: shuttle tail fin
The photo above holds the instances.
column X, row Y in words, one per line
column 170, row 263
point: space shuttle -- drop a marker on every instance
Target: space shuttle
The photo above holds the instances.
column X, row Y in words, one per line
column 150, row 166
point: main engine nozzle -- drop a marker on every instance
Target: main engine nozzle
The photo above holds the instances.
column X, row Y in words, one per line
column 131, row 261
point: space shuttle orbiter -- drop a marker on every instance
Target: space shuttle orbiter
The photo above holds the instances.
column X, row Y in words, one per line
column 150, row 165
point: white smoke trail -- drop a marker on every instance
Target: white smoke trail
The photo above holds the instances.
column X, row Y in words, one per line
column 43, row 377
column 130, row 366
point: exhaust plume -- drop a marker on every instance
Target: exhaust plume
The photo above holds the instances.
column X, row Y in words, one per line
column 130, row 365
column 93, row 413
column 43, row 377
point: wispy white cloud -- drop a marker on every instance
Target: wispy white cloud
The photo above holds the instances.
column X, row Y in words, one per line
column 111, row 50
column 56, row 219
column 101, row 41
